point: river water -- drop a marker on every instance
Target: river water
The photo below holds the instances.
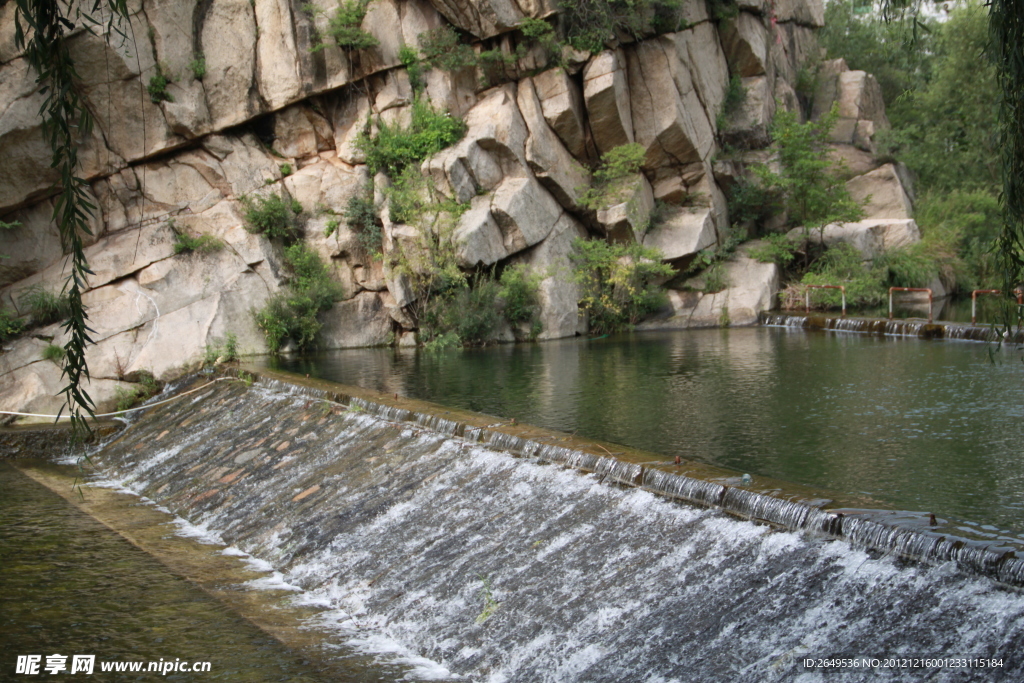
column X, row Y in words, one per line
column 924, row 426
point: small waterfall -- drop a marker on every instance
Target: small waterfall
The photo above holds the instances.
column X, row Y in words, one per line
column 504, row 568
column 890, row 328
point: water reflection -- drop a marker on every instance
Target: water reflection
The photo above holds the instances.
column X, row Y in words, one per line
column 930, row 426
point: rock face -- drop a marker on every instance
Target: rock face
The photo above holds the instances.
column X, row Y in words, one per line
column 251, row 109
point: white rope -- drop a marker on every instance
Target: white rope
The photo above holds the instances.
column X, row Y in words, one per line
column 128, row 410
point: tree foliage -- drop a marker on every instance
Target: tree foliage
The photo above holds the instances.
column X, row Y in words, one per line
column 41, row 29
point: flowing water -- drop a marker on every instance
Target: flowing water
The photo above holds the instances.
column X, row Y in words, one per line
column 501, row 568
column 917, row 425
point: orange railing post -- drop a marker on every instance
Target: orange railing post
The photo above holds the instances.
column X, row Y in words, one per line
column 807, row 295
column 911, row 289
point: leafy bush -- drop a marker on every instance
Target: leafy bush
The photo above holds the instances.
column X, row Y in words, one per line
column 591, row 23
column 395, row 147
column 752, row 203
column 204, row 244
column 777, row 249
column 44, row 306
column 519, row 290
column 54, row 353
column 618, row 282
column 361, row 217
column 198, row 67
column 344, row 27
column 271, row 216
column 10, row 326
column 617, row 164
column 843, row 265
column 157, row 87
column 293, row 313
column 132, row 396
column 959, row 230
column 813, row 192
column 735, row 95
column 223, row 352
column 410, row 59
column 462, row 315
column 442, row 49
column 286, row 169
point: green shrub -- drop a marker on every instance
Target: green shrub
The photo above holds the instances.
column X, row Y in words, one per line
column 361, row 217
column 158, row 87
column 198, row 67
column 617, row 164
column 224, row 352
column 753, row 203
column 617, row 282
column 715, row 278
column 271, row 216
column 395, row 147
column 442, row 49
column 10, row 326
column 286, row 169
column 591, row 23
column 53, row 353
column 777, row 249
column 461, row 315
column 809, row 184
column 5, row 225
column 44, row 306
column 344, row 27
column 959, row 230
column 204, row 244
column 735, row 96
column 293, row 313
column 331, row 227
column 132, row 396
column 843, row 265
column 410, row 59
column 519, row 290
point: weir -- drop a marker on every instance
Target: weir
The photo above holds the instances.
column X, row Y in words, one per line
column 504, row 558
column 892, row 328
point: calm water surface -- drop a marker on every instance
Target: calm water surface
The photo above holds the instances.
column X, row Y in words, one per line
column 919, row 425
column 69, row 585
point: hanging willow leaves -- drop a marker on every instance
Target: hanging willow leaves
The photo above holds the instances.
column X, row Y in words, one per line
column 42, row 29
column 1006, row 24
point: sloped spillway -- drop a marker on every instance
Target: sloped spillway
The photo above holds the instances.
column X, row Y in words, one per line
column 504, row 568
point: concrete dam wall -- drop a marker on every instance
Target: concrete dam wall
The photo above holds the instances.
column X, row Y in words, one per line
column 499, row 558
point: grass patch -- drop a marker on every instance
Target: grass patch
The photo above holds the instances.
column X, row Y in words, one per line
column 44, row 306
column 394, row 147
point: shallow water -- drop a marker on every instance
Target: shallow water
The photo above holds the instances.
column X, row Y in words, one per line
column 918, row 425
column 69, row 585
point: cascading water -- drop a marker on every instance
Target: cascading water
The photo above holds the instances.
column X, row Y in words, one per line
column 891, row 328
column 505, row 568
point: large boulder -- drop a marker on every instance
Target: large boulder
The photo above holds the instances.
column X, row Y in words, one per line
column 858, row 99
column 752, row 288
column 872, row 237
column 559, row 295
column 748, row 126
column 683, row 233
column 524, row 211
column 548, row 159
column 628, row 213
column 361, row 321
column 745, row 42
column 562, row 105
column 882, row 193
column 668, row 117
column 607, row 94
column 700, row 49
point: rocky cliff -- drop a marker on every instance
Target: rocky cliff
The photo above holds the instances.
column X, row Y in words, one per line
column 252, row 106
